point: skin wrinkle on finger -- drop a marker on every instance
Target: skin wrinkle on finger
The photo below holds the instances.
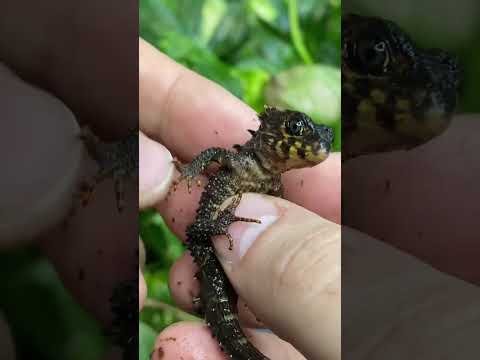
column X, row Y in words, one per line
column 168, row 114
column 44, row 157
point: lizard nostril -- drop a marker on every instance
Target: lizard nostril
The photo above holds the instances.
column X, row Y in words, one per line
column 326, row 133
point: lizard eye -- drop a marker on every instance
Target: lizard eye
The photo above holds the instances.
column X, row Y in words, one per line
column 295, row 126
column 373, row 56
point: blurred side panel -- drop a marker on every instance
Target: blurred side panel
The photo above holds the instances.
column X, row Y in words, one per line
column 410, row 175
column 69, row 179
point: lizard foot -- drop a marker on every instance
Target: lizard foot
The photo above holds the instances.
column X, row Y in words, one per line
column 227, row 217
column 82, row 195
column 186, row 173
column 85, row 192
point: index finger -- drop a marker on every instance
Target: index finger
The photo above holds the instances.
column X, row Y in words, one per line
column 185, row 111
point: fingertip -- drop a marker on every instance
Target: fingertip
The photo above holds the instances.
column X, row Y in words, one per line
column 156, row 171
column 186, row 341
column 142, row 290
column 184, row 287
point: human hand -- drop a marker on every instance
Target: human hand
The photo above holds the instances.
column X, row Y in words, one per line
column 419, row 201
column 423, row 199
column 187, row 113
column 397, row 307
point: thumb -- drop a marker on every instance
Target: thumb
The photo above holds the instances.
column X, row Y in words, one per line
column 156, row 171
column 41, row 159
column 288, row 270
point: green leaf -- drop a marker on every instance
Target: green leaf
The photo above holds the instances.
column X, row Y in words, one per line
column 268, row 51
column 232, row 31
column 322, row 29
column 46, row 322
column 253, row 81
column 159, row 16
column 265, row 10
column 198, row 58
column 161, row 245
column 313, row 89
column 157, row 285
column 212, row 13
column 147, row 338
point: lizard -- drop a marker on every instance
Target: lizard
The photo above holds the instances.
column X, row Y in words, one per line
column 395, row 94
column 285, row 140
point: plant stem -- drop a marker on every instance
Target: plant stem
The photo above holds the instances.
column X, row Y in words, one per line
column 296, row 32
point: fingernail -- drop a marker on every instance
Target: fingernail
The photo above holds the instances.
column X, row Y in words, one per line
column 244, row 234
column 155, row 171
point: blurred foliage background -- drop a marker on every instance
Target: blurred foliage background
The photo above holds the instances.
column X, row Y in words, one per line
column 277, row 52
column 45, row 321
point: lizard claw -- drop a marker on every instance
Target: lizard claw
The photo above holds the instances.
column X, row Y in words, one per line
column 178, row 165
column 183, row 176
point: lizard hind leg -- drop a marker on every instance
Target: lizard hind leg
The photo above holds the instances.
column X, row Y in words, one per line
column 227, row 217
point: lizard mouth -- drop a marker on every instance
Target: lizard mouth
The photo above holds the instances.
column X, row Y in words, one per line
column 326, row 136
column 321, row 144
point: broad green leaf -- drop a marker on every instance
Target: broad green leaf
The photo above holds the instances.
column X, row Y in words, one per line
column 200, row 59
column 212, row 13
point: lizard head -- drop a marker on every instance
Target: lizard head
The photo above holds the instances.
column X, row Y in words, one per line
column 290, row 139
column 391, row 88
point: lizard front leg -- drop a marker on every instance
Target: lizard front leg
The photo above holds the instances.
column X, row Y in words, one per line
column 198, row 165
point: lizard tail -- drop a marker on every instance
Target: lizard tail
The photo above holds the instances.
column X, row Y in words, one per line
column 219, row 304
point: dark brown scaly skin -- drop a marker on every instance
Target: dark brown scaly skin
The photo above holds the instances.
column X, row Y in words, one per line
column 285, row 140
column 395, row 95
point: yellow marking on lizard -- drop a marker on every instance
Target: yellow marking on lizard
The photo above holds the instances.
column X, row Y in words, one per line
column 402, row 104
column 378, row 96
